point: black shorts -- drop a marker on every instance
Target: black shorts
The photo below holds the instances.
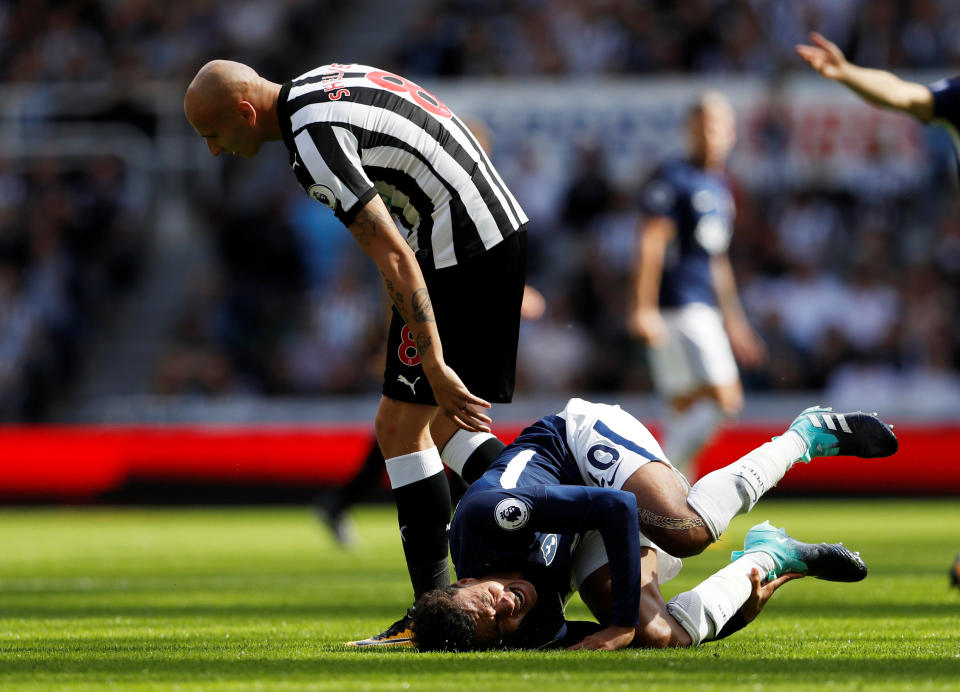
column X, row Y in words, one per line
column 477, row 308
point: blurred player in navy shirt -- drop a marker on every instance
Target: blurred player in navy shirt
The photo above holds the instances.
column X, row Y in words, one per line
column 586, row 500
column 685, row 305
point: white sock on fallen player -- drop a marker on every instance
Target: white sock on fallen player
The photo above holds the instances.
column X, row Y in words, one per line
column 723, row 494
column 705, row 609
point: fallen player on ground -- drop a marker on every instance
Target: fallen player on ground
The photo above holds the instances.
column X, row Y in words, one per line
column 575, row 500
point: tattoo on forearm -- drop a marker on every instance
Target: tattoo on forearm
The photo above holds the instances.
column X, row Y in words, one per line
column 648, row 518
column 395, row 295
column 364, row 229
column 422, row 307
column 422, row 312
column 423, row 342
column 397, row 299
column 364, row 226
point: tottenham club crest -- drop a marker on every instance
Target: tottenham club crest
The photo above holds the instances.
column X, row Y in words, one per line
column 548, row 547
column 511, row 514
column 323, row 194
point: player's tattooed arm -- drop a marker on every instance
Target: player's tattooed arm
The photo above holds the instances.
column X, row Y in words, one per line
column 423, row 341
column 422, row 312
column 421, row 338
column 376, row 233
column 648, row 518
column 365, row 225
column 395, row 296
column 378, row 236
column 422, row 307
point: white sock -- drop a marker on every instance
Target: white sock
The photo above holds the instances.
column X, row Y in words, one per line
column 686, row 432
column 705, row 609
column 459, row 448
column 723, row 494
column 410, row 468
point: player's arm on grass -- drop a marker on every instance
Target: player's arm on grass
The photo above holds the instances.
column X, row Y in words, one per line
column 747, row 346
column 645, row 321
column 876, row 86
column 377, row 234
column 572, row 509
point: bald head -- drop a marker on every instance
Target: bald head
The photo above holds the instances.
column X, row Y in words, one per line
column 232, row 107
column 218, row 85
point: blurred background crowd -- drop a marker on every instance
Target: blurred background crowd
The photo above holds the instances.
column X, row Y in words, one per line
column 852, row 285
column 141, row 40
column 615, row 37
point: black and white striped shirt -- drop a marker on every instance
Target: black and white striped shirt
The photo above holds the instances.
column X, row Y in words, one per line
column 354, row 131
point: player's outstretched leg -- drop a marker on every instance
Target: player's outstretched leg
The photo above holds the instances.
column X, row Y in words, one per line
column 735, row 489
column 955, row 572
column 855, row 434
column 706, row 611
column 399, row 633
column 829, row 561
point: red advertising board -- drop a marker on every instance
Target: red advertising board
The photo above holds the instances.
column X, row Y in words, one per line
column 66, row 463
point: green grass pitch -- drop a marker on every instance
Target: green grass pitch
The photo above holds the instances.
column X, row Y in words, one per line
column 260, row 599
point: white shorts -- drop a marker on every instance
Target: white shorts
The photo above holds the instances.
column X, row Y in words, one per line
column 609, row 445
column 590, row 555
column 697, row 351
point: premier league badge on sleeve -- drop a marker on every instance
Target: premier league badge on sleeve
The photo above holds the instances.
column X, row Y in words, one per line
column 323, row 194
column 511, row 514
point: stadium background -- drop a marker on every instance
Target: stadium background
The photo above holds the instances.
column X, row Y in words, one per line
column 179, row 328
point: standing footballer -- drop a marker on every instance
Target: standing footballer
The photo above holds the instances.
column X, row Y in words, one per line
column 685, row 305
column 422, row 199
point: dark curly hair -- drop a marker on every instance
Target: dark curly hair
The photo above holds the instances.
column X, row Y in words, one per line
column 440, row 624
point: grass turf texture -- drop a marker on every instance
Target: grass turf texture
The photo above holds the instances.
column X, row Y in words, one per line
column 260, row 599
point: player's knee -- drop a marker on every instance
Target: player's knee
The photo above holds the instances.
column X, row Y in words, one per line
column 686, row 543
column 402, row 428
column 386, row 426
column 698, row 540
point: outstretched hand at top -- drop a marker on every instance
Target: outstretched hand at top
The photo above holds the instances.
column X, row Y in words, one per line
column 824, row 56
